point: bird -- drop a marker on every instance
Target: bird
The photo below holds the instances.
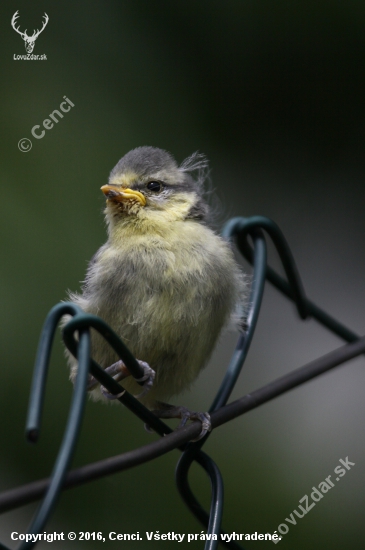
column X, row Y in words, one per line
column 165, row 281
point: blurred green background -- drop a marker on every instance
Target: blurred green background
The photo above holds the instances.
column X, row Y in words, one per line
column 272, row 92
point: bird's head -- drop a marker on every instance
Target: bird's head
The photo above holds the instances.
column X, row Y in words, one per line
column 148, row 188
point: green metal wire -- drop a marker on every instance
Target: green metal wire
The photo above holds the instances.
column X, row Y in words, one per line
column 193, row 452
column 74, row 420
column 81, row 323
column 293, row 289
column 83, row 320
column 225, row 390
column 244, row 341
column 240, row 229
column 212, row 520
column 30, row 492
column 37, row 391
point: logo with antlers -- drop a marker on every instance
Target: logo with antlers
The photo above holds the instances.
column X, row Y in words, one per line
column 29, row 41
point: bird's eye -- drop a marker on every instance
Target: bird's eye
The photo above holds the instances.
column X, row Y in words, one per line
column 154, row 186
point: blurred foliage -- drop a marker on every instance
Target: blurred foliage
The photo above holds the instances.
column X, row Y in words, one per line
column 273, row 92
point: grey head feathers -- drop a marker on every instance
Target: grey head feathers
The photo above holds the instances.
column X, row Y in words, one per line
column 148, row 163
column 145, row 161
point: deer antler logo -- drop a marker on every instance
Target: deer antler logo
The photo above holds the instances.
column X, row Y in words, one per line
column 29, row 41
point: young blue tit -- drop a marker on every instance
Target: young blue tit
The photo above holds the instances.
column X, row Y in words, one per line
column 164, row 280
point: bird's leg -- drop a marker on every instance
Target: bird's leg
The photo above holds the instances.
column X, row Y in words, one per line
column 119, row 372
column 172, row 411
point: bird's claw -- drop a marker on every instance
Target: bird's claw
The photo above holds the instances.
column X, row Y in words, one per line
column 111, row 396
column 148, row 378
column 119, row 372
column 204, row 419
column 170, row 411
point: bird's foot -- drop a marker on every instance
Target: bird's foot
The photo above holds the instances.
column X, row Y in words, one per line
column 148, row 379
column 119, row 372
column 170, row 411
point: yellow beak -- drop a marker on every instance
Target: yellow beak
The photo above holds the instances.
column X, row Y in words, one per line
column 115, row 194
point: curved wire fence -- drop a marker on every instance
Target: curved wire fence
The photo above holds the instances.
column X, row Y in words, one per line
column 242, row 230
